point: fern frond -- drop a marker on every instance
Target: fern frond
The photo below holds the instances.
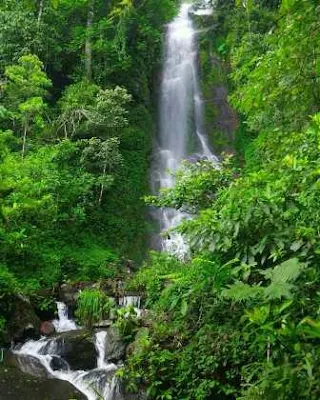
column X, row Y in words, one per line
column 242, row 291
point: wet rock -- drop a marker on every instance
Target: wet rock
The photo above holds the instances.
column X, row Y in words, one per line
column 15, row 385
column 194, row 158
column 29, row 365
column 75, row 347
column 58, row 364
column 47, row 328
column 115, row 347
column 68, row 294
column 100, row 380
column 78, row 349
column 23, row 323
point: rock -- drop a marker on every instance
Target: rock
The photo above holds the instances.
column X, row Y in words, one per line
column 115, row 347
column 59, row 364
column 15, row 385
column 75, row 347
column 103, row 324
column 29, row 365
column 23, row 323
column 68, row 294
column 78, row 349
column 47, row 328
column 99, row 379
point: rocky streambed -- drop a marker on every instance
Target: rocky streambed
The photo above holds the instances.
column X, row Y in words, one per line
column 72, row 363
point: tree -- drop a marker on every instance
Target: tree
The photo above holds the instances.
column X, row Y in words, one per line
column 25, row 88
column 103, row 156
column 84, row 107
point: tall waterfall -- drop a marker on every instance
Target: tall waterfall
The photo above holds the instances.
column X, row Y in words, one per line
column 181, row 131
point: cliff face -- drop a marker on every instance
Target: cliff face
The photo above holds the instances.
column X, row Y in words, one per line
column 221, row 119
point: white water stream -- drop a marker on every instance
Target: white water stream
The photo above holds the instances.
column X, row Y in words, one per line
column 181, row 132
column 44, row 357
column 63, row 323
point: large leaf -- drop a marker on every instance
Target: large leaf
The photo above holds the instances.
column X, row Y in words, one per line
column 288, row 271
column 242, row 291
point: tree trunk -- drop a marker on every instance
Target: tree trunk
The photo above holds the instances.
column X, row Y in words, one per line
column 24, row 140
column 102, row 185
column 88, row 44
column 40, row 12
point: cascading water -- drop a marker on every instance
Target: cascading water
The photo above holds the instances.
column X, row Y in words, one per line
column 63, row 323
column 44, row 357
column 181, row 132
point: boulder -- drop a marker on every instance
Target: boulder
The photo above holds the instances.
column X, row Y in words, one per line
column 115, row 347
column 15, row 385
column 28, row 364
column 68, row 294
column 23, row 323
column 47, row 328
column 78, row 349
column 100, row 380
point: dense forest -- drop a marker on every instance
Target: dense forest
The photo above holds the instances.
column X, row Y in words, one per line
column 76, row 133
column 239, row 316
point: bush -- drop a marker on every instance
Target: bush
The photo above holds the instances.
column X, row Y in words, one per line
column 93, row 306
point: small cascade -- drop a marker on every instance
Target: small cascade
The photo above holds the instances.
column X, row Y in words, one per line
column 131, row 301
column 63, row 323
column 134, row 301
column 100, row 344
column 44, row 358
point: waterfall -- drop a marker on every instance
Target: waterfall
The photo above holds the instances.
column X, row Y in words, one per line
column 181, row 130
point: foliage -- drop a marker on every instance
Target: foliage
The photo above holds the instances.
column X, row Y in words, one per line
column 241, row 318
column 84, row 106
column 73, row 202
column 126, row 322
column 93, row 306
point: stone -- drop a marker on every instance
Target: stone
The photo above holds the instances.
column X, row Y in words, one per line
column 29, row 365
column 15, row 385
column 68, row 294
column 23, row 323
column 115, row 347
column 58, row 364
column 47, row 328
column 78, row 349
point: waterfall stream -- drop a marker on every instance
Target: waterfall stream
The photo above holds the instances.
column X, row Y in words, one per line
column 63, row 323
column 44, row 357
column 181, row 130
column 181, row 137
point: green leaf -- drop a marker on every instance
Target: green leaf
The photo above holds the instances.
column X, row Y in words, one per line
column 309, row 328
column 288, row 271
column 184, row 307
column 242, row 291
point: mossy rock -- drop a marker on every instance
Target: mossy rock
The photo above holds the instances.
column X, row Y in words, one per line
column 15, row 385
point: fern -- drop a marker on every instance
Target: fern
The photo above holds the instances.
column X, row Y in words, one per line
column 288, row 271
column 242, row 291
column 282, row 277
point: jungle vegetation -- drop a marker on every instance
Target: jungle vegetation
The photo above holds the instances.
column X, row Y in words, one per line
column 238, row 319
